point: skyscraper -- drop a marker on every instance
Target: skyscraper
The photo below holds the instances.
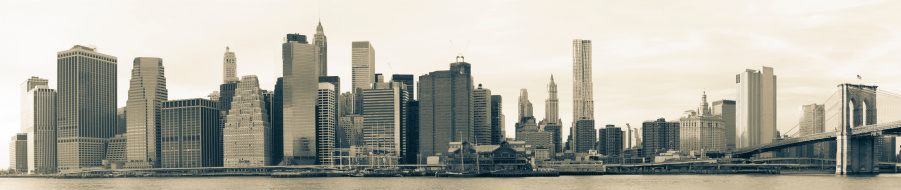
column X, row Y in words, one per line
column 552, row 122
column 276, row 115
column 18, row 153
column 121, row 121
column 189, row 134
column 497, row 120
column 384, row 123
column 145, row 97
column 321, row 50
column 584, row 136
column 525, row 106
column 229, row 67
column 813, row 122
column 25, row 106
column 755, row 121
column 363, row 65
column 301, row 84
column 610, row 141
column 481, row 115
column 445, row 108
column 412, row 134
column 726, row 110
column 326, row 124
column 583, row 93
column 39, row 121
column 86, row 106
column 406, row 80
column 659, row 136
column 247, row 128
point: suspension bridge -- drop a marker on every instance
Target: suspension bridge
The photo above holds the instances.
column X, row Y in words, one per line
column 854, row 125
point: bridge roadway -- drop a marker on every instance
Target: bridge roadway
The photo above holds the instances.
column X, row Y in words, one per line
column 893, row 128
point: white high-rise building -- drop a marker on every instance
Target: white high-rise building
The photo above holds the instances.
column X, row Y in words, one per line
column 247, row 132
column 26, row 107
column 481, row 115
column 363, row 63
column 229, row 67
column 39, row 122
column 300, row 91
column 583, row 93
column 755, row 107
column 146, row 94
column 326, row 124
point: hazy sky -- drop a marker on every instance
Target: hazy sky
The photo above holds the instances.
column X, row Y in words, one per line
column 650, row 58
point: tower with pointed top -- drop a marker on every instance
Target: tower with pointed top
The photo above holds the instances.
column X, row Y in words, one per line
column 704, row 109
column 552, row 104
column 229, row 67
column 321, row 44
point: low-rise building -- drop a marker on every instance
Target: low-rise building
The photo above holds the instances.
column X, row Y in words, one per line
column 508, row 156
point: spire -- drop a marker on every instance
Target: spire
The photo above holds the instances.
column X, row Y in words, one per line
column 703, row 109
column 319, row 27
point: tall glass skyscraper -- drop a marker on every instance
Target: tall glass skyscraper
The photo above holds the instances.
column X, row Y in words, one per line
column 481, row 115
column 190, row 134
column 363, row 63
column 300, row 91
column 145, row 97
column 86, row 106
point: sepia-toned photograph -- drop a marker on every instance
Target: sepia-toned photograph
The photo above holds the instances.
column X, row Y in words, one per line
column 292, row 94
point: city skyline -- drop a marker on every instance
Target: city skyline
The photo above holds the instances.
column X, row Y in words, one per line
column 621, row 61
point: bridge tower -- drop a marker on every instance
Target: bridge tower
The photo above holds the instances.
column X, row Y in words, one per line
column 857, row 154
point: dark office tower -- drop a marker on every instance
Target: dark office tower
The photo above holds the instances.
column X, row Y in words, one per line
column 334, row 80
column 610, row 141
column 445, row 108
column 726, row 110
column 301, row 86
column 190, row 134
column 659, row 136
column 584, row 136
column 86, row 106
column 321, row 51
column 407, row 80
column 497, row 120
column 145, row 96
column 379, row 78
column 121, row 121
column 276, row 120
column 412, row 134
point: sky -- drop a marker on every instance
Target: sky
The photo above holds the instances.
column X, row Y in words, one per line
column 651, row 59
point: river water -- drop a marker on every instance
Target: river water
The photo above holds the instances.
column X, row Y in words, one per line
column 669, row 182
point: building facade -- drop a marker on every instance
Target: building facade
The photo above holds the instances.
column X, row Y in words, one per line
column 701, row 131
column 755, row 107
column 445, row 108
column 725, row 109
column 39, row 120
column 85, row 107
column 229, row 67
column 385, row 119
column 552, row 121
column 812, row 122
column 189, row 134
column 363, row 65
column 659, row 136
column 610, row 141
column 301, row 84
column 321, row 43
column 146, row 93
column 584, row 136
column 583, row 89
column 481, row 115
column 247, row 128
column 18, row 153
column 497, row 120
column 326, row 124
